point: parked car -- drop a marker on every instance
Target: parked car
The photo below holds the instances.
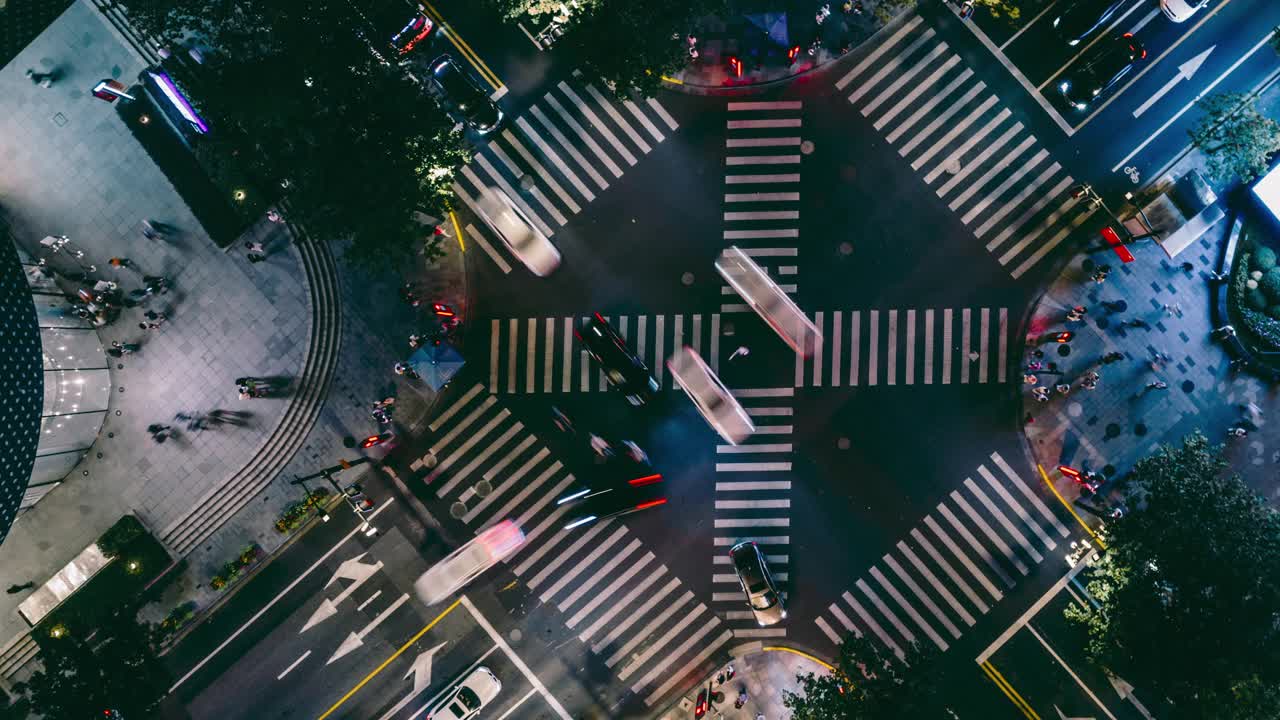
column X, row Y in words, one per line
column 623, row 368
column 1179, row 10
column 392, row 29
column 467, row 698
column 718, row 406
column 517, row 232
column 1100, row 69
column 468, row 562
column 1082, row 18
column 769, row 301
column 757, row 583
column 463, row 98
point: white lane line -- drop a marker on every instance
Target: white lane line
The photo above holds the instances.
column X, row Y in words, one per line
column 633, row 617
column 904, row 78
column 583, row 564
column 498, row 260
column 542, row 171
column 1003, row 345
column 662, row 113
column 608, row 591
column 1024, row 28
column 531, row 354
column 1013, row 203
column 762, row 142
column 296, row 663
column 855, row 343
column 751, row 179
column 753, row 485
column 759, row 540
column 1066, row 667
column 644, row 120
column 771, row 252
column 569, row 147
column 763, row 392
column 555, row 158
column 599, row 575
column 974, row 544
column 492, row 472
column 787, row 288
column 642, row 334
column 826, row 630
column 911, row 611
column 443, row 442
column 559, row 559
column 946, row 346
column 1008, row 182
column 599, row 125
column 697, row 333
column 719, row 559
column 1028, row 235
column 683, row 672
column 363, row 605
column 1016, row 507
column 891, row 347
column 986, row 529
column 612, row 112
column 774, row 430
column 937, row 585
column 517, row 172
column 581, row 132
column 1003, row 520
column 1030, row 495
column 644, row 633
column 844, row 620
column 515, row 659
column 956, row 129
column 761, row 234
column 763, row 197
column 506, row 187
column 659, row 364
column 881, row 50
column 1001, row 165
column 752, row 522
column 911, row 347
column 749, row 449
column 1035, row 608
column 875, row 626
column 778, row 105
column 453, row 409
column 928, row 346
column 965, row 345
column 495, row 332
column 946, row 116
column 615, row 608
column 758, row 124
column 984, row 343
column 819, row 319
column 977, row 162
column 751, row 504
column 951, row 571
column 1046, row 248
column 738, row 160
column 762, row 215
column 899, row 58
column 517, row 704
column 873, row 351
column 549, row 357
column 926, row 84
column 567, row 370
column 932, row 103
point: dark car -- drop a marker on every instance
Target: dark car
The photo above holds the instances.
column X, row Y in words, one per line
column 1106, row 64
column 463, row 98
column 391, row 28
column 624, row 370
column 757, row 583
column 612, row 497
column 1080, row 19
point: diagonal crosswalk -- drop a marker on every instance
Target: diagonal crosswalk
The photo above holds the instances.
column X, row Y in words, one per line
column 861, row 348
column 554, row 159
column 978, row 158
column 638, row 617
column 953, row 566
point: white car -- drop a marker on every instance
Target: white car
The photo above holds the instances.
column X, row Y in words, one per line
column 518, row 232
column 1179, row 10
column 476, row 690
column 769, row 301
column 466, row 563
column 710, row 396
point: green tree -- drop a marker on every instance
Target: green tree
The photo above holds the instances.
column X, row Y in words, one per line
column 1235, row 137
column 1008, row 10
column 870, row 683
column 1189, row 588
column 115, row 668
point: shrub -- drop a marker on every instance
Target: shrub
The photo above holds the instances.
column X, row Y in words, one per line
column 1264, row 258
column 118, row 536
column 1255, row 299
column 1274, row 311
column 1270, row 284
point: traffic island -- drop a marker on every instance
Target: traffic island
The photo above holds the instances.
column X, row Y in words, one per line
column 757, row 673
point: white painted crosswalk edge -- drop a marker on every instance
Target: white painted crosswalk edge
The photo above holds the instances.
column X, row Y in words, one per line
column 881, row 50
column 890, row 67
column 910, row 97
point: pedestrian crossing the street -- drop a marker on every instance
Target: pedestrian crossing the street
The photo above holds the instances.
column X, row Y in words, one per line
column 981, row 161
column 861, row 348
column 640, row 619
column 953, row 566
column 762, row 189
column 554, row 159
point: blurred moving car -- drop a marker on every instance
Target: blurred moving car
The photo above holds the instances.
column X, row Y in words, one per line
column 1100, row 69
column 465, row 700
column 415, row 31
column 610, row 497
column 777, row 309
column 1179, row 10
column 517, row 232
column 757, row 583
column 717, row 405
column 1079, row 19
column 463, row 98
column 466, row 563
column 625, row 371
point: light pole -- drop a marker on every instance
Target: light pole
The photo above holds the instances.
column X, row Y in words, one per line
column 352, row 494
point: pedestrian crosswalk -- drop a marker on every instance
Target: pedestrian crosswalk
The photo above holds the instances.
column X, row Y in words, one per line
column 952, row 567
column 762, row 189
column 861, row 348
column 981, row 161
column 554, row 159
column 753, row 502
column 625, row 604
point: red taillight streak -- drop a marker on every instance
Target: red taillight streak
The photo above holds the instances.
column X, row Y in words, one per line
column 646, row 480
column 651, row 503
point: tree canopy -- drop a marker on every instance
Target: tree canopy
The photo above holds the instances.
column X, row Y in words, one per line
column 870, row 683
column 1190, row 588
column 1236, row 138
column 306, row 99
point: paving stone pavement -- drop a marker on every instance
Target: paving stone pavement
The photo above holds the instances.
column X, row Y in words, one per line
column 71, row 167
column 764, row 674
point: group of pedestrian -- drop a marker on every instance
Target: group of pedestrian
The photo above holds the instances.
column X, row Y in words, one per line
column 253, row 387
column 383, row 409
column 160, row 432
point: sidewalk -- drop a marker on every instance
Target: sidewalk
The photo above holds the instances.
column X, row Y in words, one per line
column 763, row 672
column 760, row 34
column 73, row 168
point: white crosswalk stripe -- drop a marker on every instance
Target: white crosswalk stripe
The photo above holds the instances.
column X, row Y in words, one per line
column 530, row 159
column 917, row 589
column 955, row 132
column 639, row 619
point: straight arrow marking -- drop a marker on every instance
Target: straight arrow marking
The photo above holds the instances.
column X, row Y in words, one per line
column 356, row 639
column 1185, row 71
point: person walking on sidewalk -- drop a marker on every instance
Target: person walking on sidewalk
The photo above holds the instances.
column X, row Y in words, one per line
column 1156, row 385
column 44, row 80
column 257, row 251
column 1137, row 323
column 1041, row 394
column 1115, row 305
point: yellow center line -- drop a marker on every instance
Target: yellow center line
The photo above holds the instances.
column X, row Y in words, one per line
column 457, row 230
column 1008, row 691
column 779, row 648
column 463, row 47
column 1070, row 509
column 387, row 662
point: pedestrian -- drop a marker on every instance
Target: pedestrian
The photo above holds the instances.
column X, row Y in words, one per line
column 1115, row 305
column 1062, row 388
column 1235, row 364
column 1157, row 385
column 405, row 370
column 119, row 262
column 1224, row 332
column 1137, row 323
column 149, row 325
column 155, row 284
column 408, row 295
column 1100, row 275
column 742, row 351
column 256, row 250
column 154, row 316
column 44, row 80
column 15, row 589
column 1030, row 379
column 1112, row 357
column 1034, row 365
column 125, row 348
column 274, row 216
column 1041, row 394
column 1073, row 316
column 1028, row 419
column 1236, row 431
column 1188, row 267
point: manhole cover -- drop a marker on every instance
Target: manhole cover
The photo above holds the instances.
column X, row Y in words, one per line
column 1113, row 431
column 953, row 167
column 527, row 182
column 429, row 460
column 1140, row 429
column 1064, row 350
column 846, row 248
column 515, row 635
column 728, row 329
column 1188, row 386
column 457, row 510
column 687, row 278
column 806, row 147
column 843, row 443
column 484, row 487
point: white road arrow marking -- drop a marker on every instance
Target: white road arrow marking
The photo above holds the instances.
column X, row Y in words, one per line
column 1124, row 689
column 1185, row 71
column 1063, row 716
column 356, row 639
column 421, row 672
column 353, row 570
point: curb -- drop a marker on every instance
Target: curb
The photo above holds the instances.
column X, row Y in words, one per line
column 673, row 710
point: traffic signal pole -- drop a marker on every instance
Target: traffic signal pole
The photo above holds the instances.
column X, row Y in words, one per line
column 351, row 494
